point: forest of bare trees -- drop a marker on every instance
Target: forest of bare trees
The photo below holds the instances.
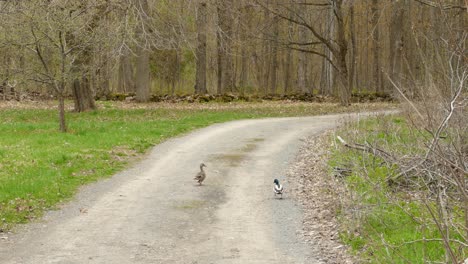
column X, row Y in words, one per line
column 90, row 49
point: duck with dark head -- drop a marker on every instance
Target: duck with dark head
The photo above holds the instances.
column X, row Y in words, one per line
column 278, row 190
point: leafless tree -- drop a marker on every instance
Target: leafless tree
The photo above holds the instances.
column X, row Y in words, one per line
column 337, row 44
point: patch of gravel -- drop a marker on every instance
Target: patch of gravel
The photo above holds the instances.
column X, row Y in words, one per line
column 320, row 195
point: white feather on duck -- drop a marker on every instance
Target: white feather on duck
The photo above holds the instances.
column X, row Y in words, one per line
column 278, row 190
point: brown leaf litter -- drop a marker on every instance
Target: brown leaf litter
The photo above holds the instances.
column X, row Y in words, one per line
column 319, row 193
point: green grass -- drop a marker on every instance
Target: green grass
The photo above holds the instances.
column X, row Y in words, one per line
column 41, row 167
column 388, row 225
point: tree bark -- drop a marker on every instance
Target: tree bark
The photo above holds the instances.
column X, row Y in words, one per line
column 63, row 126
column 244, row 70
column 327, row 80
column 354, row 48
column 142, row 52
column 220, row 59
column 142, row 75
column 103, row 79
column 397, row 42
column 274, row 57
column 244, row 42
column 225, row 65
column 302, row 60
column 81, row 88
column 376, row 47
column 345, row 86
column 82, row 95
column 126, row 83
column 200, row 83
column 287, row 70
column 265, row 71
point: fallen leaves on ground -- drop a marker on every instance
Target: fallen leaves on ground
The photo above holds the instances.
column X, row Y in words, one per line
column 319, row 194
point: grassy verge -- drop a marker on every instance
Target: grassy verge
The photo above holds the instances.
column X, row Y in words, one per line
column 384, row 223
column 40, row 167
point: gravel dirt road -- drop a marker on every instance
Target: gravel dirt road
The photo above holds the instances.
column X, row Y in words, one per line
column 155, row 213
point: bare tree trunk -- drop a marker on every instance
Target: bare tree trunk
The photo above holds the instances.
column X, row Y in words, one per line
column 324, row 77
column 104, row 79
column 225, row 65
column 367, row 63
column 328, row 71
column 274, row 57
column 302, row 60
column 175, row 75
column 125, row 83
column 354, row 48
column 200, row 84
column 81, row 88
column 266, row 53
column 142, row 64
column 360, row 52
column 244, row 40
column 82, row 95
column 60, row 89
column 287, row 69
column 220, row 59
column 376, row 46
column 142, row 75
column 397, row 42
column 288, row 60
column 221, row 47
column 345, row 86
column 63, row 127
column 244, row 71
column 410, row 52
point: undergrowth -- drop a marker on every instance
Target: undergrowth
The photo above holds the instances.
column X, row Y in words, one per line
column 383, row 222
